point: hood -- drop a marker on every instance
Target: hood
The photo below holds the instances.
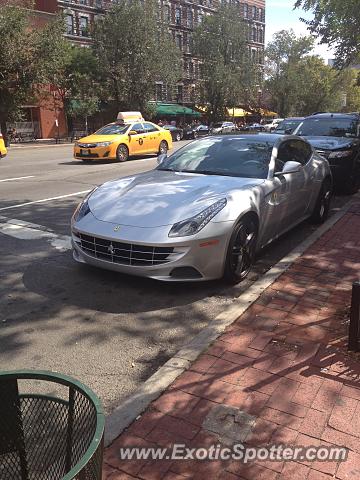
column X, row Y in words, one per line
column 99, row 138
column 159, row 198
column 331, row 143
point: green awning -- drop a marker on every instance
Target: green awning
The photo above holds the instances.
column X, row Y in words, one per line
column 175, row 109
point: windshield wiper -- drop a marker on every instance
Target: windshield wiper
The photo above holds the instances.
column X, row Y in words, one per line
column 168, row 169
column 207, row 172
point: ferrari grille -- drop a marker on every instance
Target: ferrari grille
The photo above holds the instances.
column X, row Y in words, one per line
column 123, row 253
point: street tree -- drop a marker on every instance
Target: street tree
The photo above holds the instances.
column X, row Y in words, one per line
column 283, row 54
column 134, row 50
column 228, row 75
column 299, row 83
column 76, row 82
column 28, row 60
column 337, row 23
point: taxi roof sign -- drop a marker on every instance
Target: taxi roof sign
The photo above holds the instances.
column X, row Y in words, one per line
column 128, row 117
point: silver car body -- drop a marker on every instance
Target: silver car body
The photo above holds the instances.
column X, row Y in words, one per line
column 133, row 216
column 225, row 127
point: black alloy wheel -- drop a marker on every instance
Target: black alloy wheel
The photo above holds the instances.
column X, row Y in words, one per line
column 241, row 251
column 322, row 206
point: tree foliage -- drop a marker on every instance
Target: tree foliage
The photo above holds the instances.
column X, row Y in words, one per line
column 299, row 83
column 29, row 59
column 228, row 75
column 133, row 52
column 337, row 22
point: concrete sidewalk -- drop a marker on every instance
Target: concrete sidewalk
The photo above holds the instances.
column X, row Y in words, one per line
column 280, row 374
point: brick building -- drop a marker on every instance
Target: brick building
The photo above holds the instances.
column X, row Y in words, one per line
column 181, row 15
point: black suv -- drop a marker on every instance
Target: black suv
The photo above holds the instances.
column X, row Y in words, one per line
column 336, row 136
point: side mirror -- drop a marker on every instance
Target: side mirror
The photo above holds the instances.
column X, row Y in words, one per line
column 161, row 158
column 288, row 131
column 290, row 167
column 133, row 132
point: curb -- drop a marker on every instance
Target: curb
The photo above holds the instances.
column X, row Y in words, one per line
column 133, row 406
column 21, row 147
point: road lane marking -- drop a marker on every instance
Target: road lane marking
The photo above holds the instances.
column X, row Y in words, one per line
column 17, row 178
column 45, row 200
column 31, row 231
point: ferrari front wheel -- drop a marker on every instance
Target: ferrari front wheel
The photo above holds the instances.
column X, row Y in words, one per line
column 241, row 250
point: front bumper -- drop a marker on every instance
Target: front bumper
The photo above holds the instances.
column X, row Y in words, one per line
column 96, row 153
column 135, row 251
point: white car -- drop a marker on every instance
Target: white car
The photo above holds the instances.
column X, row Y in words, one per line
column 223, row 127
column 270, row 127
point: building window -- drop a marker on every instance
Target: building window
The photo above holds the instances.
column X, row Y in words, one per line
column 167, row 13
column 159, row 91
column 260, row 14
column 190, row 18
column 246, row 10
column 84, row 26
column 254, row 34
column 191, row 70
column 180, row 93
column 200, row 16
column 178, row 16
column 254, row 12
column 69, row 24
column 178, row 41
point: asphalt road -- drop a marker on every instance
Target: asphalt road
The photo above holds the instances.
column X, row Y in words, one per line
column 109, row 330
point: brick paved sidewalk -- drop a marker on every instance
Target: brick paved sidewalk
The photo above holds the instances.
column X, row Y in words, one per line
column 284, row 362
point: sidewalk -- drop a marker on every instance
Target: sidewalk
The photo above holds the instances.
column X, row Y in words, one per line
column 283, row 364
column 41, row 143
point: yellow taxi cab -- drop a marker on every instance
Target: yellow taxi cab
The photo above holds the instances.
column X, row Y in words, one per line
column 3, row 150
column 129, row 135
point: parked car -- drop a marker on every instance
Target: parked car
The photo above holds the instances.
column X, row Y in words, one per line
column 196, row 131
column 287, row 126
column 3, row 150
column 269, row 127
column 176, row 132
column 336, row 136
column 257, row 127
column 129, row 135
column 205, row 211
column 223, row 127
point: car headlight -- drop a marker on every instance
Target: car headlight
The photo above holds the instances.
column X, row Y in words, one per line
column 193, row 225
column 83, row 208
column 341, row 154
column 103, row 144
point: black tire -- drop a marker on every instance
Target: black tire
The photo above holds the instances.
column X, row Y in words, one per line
column 178, row 137
column 241, row 250
column 322, row 206
column 122, row 153
column 195, row 135
column 163, row 147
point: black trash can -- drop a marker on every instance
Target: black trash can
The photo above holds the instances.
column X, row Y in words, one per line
column 49, row 436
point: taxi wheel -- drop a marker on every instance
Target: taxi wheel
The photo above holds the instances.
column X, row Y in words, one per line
column 122, row 153
column 163, row 147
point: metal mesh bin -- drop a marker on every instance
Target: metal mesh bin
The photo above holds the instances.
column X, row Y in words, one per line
column 46, row 437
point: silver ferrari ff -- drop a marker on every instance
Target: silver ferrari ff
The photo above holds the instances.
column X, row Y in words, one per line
column 206, row 210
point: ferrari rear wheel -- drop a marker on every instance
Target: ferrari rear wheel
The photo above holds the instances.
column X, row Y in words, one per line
column 322, row 206
column 163, row 147
column 241, row 251
column 122, row 153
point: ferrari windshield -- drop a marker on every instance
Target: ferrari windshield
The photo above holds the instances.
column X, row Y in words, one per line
column 328, row 127
column 243, row 156
column 112, row 129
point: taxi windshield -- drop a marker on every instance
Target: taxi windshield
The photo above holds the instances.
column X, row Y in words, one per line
column 113, row 129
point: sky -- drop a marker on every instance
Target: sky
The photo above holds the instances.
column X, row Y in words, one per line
column 280, row 15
